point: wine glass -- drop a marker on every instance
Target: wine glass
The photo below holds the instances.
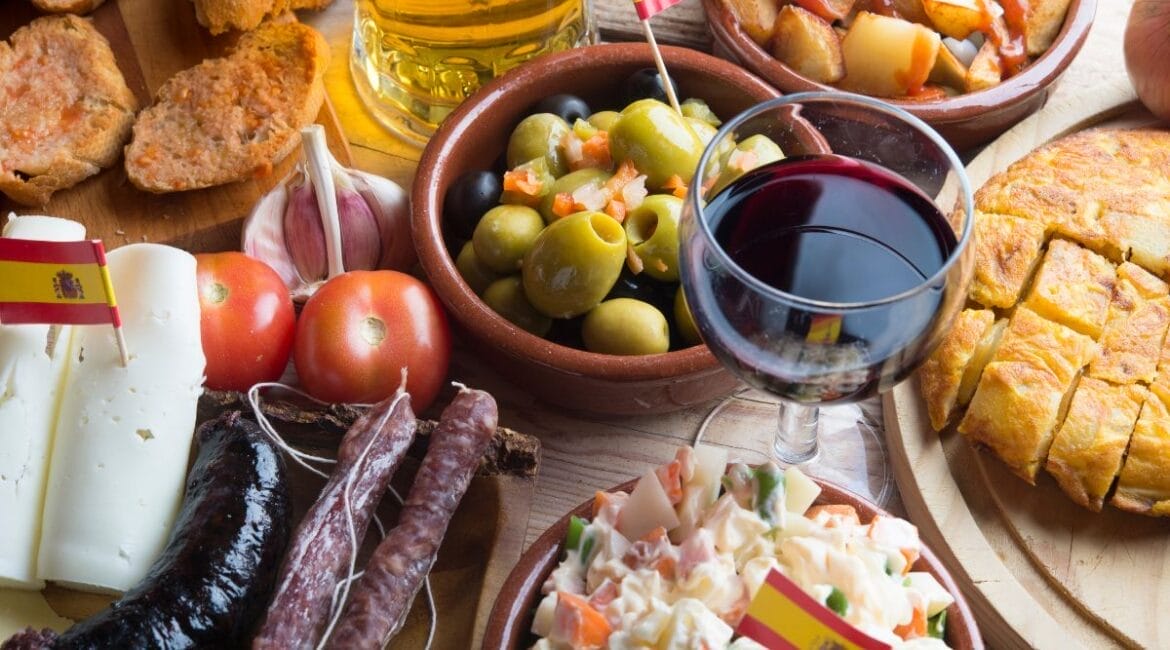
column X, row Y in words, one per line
column 828, row 276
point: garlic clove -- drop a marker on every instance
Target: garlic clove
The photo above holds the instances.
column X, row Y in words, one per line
column 361, row 246
column 263, row 235
column 304, row 235
column 391, row 208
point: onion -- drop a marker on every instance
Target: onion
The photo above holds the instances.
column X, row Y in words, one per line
column 1147, row 54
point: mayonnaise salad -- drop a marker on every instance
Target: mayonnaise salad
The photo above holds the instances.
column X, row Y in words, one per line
column 675, row 563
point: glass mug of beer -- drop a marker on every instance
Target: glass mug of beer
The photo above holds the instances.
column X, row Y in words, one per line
column 414, row 61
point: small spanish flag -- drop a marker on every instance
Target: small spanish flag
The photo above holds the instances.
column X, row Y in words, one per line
column 782, row 615
column 55, row 282
column 825, row 328
column 648, row 8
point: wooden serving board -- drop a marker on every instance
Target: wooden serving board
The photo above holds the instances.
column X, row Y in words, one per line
column 1037, row 569
column 151, row 41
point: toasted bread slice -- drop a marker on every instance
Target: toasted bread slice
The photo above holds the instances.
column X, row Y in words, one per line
column 220, row 16
column 231, row 118
column 1086, row 453
column 67, row 6
column 65, row 109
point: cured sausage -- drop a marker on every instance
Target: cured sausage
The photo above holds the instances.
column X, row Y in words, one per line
column 209, row 586
column 319, row 556
column 382, row 596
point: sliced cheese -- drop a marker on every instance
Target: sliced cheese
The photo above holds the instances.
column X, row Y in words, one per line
column 124, row 434
column 21, row 609
column 32, row 367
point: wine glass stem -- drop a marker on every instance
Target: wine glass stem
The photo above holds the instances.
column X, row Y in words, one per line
column 796, row 435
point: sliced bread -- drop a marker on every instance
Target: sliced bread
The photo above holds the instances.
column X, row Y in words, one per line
column 219, row 16
column 231, row 118
column 67, row 6
column 65, row 109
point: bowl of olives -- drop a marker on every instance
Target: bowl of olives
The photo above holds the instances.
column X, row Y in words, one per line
column 545, row 213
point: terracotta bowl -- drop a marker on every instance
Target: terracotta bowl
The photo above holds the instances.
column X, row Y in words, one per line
column 966, row 121
column 474, row 136
column 511, row 618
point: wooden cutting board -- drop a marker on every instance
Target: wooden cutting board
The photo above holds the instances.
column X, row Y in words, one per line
column 1037, row 569
column 151, row 41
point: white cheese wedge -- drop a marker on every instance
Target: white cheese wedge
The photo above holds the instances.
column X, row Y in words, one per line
column 32, row 368
column 21, row 609
column 124, row 434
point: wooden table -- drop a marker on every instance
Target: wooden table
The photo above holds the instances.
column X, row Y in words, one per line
column 583, row 453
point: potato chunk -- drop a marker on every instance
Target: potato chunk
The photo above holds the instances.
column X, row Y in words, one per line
column 955, row 18
column 986, row 70
column 756, row 17
column 887, row 57
column 808, row 45
column 1042, row 23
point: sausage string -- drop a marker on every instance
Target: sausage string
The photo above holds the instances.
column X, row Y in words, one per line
column 341, row 590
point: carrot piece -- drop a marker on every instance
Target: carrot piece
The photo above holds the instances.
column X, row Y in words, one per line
column 834, row 510
column 676, row 185
column 916, row 628
column 633, row 261
column 670, row 476
column 579, row 624
column 595, row 151
column 616, row 209
column 600, row 500
column 625, row 173
column 562, row 205
column 911, row 555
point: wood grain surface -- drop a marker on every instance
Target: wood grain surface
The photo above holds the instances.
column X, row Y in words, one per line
column 151, row 41
column 1038, row 569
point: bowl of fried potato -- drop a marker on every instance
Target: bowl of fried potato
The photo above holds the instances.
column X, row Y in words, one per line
column 969, row 68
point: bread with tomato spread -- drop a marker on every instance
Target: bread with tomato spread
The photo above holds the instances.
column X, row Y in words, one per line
column 231, row 118
column 220, row 16
column 65, row 109
column 67, row 6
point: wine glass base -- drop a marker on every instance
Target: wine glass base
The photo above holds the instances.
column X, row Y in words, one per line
column 850, row 453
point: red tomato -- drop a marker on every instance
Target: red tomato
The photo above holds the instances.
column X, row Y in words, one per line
column 361, row 328
column 247, row 321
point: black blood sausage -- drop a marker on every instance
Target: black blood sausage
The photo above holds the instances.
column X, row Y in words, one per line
column 211, row 583
column 381, row 598
column 320, row 551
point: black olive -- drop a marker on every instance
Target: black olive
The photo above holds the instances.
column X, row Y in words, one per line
column 645, row 288
column 467, row 199
column 567, row 332
column 570, row 108
column 643, row 84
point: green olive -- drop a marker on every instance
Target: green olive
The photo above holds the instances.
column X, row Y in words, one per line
column 684, row 322
column 698, row 109
column 503, row 236
column 652, row 229
column 574, row 263
column 506, row 297
column 604, row 120
column 540, row 175
column 625, row 326
column 751, row 152
column 583, row 129
column 568, row 184
column 474, row 272
column 657, row 140
column 539, row 135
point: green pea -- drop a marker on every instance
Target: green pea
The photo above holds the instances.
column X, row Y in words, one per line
column 503, row 236
column 574, row 263
column 625, row 326
column 652, row 229
column 506, row 297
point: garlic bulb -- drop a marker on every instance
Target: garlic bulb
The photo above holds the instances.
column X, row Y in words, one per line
column 326, row 219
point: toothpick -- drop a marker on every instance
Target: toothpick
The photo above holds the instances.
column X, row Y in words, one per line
column 122, row 351
column 667, row 85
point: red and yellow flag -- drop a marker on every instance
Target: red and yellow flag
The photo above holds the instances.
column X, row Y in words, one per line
column 783, row 616
column 647, row 8
column 55, row 282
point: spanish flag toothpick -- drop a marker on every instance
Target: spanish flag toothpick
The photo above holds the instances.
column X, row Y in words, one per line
column 58, row 283
column 646, row 9
column 783, row 616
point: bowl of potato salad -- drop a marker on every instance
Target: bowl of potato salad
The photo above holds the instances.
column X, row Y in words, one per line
column 674, row 558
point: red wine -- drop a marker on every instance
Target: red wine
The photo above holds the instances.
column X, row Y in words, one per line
column 834, row 230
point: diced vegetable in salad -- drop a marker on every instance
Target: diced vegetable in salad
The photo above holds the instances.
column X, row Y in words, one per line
column 675, row 563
